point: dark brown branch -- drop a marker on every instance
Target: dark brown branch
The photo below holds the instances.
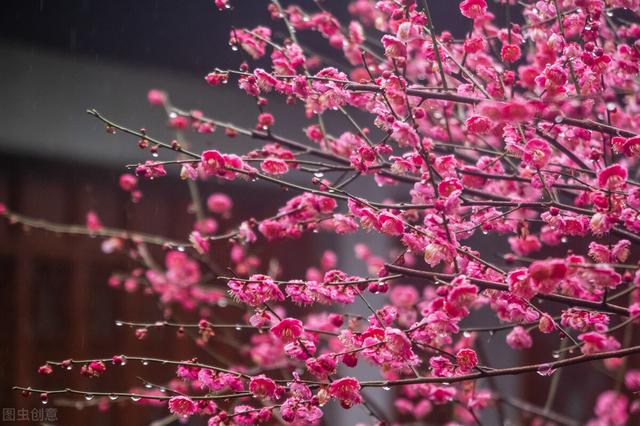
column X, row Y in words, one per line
column 508, row 371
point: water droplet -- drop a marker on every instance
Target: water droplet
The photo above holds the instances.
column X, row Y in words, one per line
column 44, row 401
column 546, row 370
column 234, row 47
column 491, row 332
column 155, row 155
column 180, row 248
column 318, row 174
column 145, row 362
column 485, row 232
column 148, row 385
column 223, row 303
column 559, row 119
column 88, row 397
column 173, row 115
column 119, row 323
column 564, row 240
column 113, row 397
column 555, row 354
column 611, row 106
column 135, row 398
column 466, row 334
column 385, row 386
column 69, row 367
column 609, row 13
column 446, row 383
column 238, row 328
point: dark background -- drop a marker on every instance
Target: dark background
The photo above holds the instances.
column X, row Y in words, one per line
column 58, row 58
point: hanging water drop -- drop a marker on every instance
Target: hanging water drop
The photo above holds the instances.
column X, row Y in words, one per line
column 155, row 155
column 180, row 248
column 113, row 397
column 135, row 398
column 555, row 355
column 119, row 323
column 88, row 397
column 318, row 174
column 386, row 386
column 148, row 385
column 238, row 328
column 546, row 370
column 145, row 362
column 564, row 240
column 466, row 334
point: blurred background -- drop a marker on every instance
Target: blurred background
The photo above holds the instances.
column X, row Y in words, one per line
column 57, row 162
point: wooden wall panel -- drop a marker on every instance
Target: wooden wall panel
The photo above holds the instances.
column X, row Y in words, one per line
column 54, row 297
